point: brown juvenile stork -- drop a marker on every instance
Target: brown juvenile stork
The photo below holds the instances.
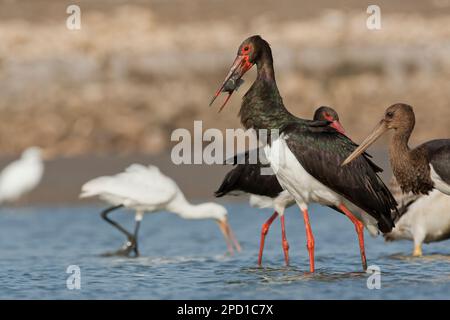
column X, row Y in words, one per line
column 417, row 170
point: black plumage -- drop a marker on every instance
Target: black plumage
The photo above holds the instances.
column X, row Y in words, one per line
column 318, row 148
column 321, row 151
column 247, row 178
column 438, row 154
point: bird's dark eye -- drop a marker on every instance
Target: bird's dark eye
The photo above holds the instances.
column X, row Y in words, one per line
column 246, row 48
column 389, row 114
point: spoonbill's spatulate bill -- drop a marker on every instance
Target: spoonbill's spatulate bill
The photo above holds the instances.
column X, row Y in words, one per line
column 422, row 218
column 145, row 190
column 312, row 151
column 418, row 170
column 265, row 190
column 21, row 176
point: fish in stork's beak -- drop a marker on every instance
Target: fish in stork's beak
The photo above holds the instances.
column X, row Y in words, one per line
column 379, row 130
column 233, row 79
column 230, row 239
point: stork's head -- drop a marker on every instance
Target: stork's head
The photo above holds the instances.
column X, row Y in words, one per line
column 329, row 114
column 399, row 117
column 251, row 51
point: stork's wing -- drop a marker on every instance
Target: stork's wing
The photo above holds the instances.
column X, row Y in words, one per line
column 321, row 152
column 439, row 156
column 250, row 177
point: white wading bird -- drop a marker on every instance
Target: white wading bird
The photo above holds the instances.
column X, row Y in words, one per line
column 146, row 189
column 423, row 218
column 22, row 175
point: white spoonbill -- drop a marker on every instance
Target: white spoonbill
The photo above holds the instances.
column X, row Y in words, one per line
column 146, row 189
column 423, row 218
column 21, row 176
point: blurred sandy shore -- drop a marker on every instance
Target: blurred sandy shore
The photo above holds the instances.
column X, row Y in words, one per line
column 137, row 70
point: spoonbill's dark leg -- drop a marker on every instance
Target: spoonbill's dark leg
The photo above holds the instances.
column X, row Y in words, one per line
column 264, row 231
column 360, row 231
column 309, row 239
column 136, row 229
column 107, row 211
column 130, row 244
column 284, row 241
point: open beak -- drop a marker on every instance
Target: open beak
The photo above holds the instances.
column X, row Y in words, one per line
column 233, row 79
column 376, row 133
column 230, row 239
column 337, row 125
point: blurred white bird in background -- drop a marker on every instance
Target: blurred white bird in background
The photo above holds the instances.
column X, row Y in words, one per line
column 146, row 189
column 21, row 176
column 422, row 218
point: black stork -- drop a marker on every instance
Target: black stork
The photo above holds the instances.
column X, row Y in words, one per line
column 311, row 152
column 417, row 170
column 265, row 190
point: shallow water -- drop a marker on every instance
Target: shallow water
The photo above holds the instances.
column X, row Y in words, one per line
column 185, row 259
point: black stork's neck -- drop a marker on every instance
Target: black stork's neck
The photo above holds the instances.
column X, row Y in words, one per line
column 264, row 66
column 262, row 106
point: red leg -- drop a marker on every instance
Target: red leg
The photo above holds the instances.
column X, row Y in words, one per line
column 310, row 240
column 284, row 241
column 360, row 231
column 264, row 231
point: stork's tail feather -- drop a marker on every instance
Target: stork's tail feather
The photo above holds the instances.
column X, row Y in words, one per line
column 228, row 184
column 387, row 208
column 385, row 224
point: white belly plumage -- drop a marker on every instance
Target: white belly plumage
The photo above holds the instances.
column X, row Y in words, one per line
column 295, row 179
column 439, row 183
column 427, row 220
column 279, row 203
column 304, row 187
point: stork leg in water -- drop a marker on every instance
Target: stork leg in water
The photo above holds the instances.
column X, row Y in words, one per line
column 309, row 239
column 360, row 231
column 284, row 241
column 264, row 231
column 131, row 244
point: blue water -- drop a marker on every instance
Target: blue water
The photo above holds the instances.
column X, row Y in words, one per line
column 185, row 259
